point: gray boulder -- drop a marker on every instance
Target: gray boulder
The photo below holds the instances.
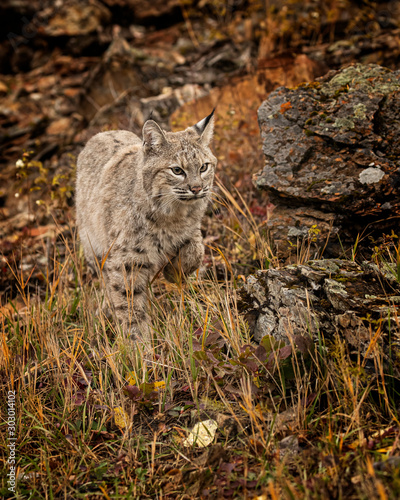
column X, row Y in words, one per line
column 332, row 152
column 325, row 298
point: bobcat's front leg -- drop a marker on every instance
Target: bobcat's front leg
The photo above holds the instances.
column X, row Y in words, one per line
column 189, row 258
column 126, row 285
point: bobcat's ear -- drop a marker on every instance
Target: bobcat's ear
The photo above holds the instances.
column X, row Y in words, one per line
column 205, row 129
column 153, row 136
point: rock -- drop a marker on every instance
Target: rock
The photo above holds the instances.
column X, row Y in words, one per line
column 289, row 447
column 161, row 107
column 129, row 112
column 249, row 89
column 149, row 11
column 112, row 79
column 382, row 48
column 347, row 32
column 305, row 229
column 75, row 18
column 123, row 77
column 324, row 297
column 332, row 145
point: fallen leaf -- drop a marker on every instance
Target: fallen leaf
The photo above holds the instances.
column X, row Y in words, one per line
column 133, row 392
column 121, row 418
column 3, row 88
column 159, row 386
column 202, row 434
column 131, row 379
column 385, row 450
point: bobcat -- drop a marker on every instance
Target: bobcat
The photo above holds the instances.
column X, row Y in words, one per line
column 139, row 206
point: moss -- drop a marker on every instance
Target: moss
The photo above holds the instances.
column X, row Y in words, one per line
column 312, row 85
column 329, row 120
column 368, row 78
column 314, row 183
column 308, row 132
column 309, row 122
column 340, row 91
column 344, row 279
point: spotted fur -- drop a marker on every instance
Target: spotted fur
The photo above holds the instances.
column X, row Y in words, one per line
column 139, row 206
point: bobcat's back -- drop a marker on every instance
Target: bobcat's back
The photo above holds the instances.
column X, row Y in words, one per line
column 101, row 153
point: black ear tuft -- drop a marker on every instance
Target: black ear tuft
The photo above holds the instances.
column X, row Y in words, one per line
column 202, row 124
column 205, row 128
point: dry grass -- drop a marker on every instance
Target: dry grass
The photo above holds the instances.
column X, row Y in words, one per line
column 304, row 426
column 98, row 416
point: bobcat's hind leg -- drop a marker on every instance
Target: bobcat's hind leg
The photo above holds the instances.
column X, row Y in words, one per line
column 127, row 288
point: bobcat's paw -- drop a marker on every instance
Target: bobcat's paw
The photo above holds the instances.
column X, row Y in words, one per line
column 172, row 273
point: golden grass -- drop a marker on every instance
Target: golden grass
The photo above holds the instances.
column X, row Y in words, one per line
column 81, row 435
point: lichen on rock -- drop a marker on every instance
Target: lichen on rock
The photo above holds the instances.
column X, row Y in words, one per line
column 333, row 145
column 371, row 175
column 323, row 298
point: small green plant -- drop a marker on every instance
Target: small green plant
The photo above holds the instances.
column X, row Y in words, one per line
column 50, row 189
column 387, row 255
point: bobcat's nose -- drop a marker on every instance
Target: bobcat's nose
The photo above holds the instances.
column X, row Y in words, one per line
column 195, row 189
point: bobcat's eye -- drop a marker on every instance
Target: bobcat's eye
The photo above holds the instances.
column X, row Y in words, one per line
column 204, row 167
column 177, row 171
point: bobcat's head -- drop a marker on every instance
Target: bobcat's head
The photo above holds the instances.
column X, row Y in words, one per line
column 178, row 166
